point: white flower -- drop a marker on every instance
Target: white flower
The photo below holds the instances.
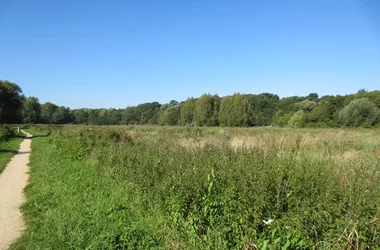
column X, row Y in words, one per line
column 268, row 222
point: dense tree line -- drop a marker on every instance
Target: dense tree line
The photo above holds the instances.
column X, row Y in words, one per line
column 361, row 109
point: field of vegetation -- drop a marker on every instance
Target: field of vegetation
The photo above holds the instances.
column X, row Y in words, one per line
column 9, row 143
column 147, row 187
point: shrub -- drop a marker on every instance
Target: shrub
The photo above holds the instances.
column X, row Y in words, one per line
column 297, row 120
column 6, row 132
column 359, row 113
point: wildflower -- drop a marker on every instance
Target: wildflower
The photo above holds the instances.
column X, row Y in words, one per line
column 268, row 222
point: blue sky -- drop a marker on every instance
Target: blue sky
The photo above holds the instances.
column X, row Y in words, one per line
column 120, row 53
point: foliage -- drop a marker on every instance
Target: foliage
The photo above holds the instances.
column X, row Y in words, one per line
column 80, row 116
column 187, row 111
column 169, row 114
column 148, row 112
column 235, row 111
column 313, row 97
column 6, row 132
column 297, row 120
column 206, row 110
column 263, row 108
column 10, row 102
column 31, row 111
column 239, row 110
column 306, row 105
column 359, row 112
column 47, row 111
column 61, row 116
column 281, row 118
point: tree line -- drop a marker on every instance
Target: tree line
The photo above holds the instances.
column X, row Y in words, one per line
column 361, row 109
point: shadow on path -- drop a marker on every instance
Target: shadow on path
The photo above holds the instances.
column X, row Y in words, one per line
column 24, row 152
column 8, row 151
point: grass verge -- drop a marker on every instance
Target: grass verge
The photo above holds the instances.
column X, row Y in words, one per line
column 8, row 148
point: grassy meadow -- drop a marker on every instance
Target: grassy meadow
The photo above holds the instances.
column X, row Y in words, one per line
column 142, row 187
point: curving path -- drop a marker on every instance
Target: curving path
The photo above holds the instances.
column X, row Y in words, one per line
column 12, row 183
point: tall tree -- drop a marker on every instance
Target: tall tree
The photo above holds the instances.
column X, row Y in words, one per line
column 170, row 114
column 214, row 121
column 147, row 112
column 313, row 97
column 130, row 116
column 47, row 111
column 112, row 117
column 187, row 111
column 80, row 116
column 10, row 102
column 205, row 111
column 61, row 116
column 31, row 111
column 263, row 107
column 93, row 117
column 235, row 111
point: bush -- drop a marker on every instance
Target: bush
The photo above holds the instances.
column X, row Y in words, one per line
column 6, row 132
column 359, row 113
column 297, row 120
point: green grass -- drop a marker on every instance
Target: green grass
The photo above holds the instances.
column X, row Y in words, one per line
column 8, row 148
column 146, row 187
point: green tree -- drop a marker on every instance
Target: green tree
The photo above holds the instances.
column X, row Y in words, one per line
column 297, row 120
column 287, row 104
column 187, row 111
column 313, row 97
column 281, row 118
column 31, row 111
column 147, row 112
column 306, row 105
column 214, row 121
column 61, row 116
column 173, row 115
column 206, row 110
column 112, row 117
column 130, row 115
column 10, row 102
column 359, row 112
column 47, row 111
column 170, row 114
column 93, row 117
column 80, row 116
column 373, row 96
column 234, row 111
column 326, row 112
column 263, row 107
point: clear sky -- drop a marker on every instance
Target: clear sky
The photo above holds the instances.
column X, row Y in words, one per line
column 120, row 53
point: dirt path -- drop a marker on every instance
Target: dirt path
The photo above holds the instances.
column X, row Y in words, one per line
column 12, row 183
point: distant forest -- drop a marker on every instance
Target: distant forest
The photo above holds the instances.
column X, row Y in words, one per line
column 361, row 109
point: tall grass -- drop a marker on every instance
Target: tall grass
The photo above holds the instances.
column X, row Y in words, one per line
column 188, row 188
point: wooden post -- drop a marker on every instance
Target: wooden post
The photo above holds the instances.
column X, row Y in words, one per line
column 18, row 130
